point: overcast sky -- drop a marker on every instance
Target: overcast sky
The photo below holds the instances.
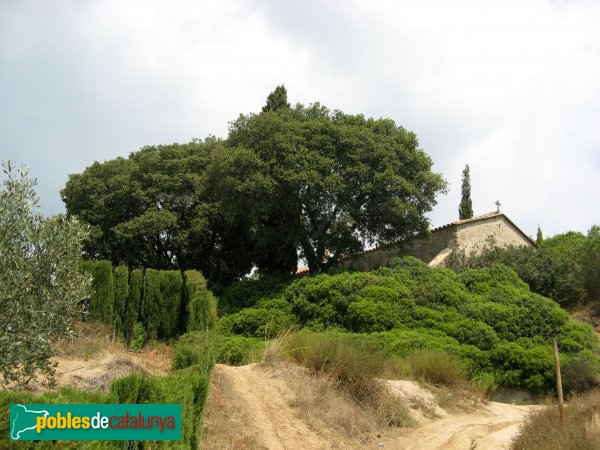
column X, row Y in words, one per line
column 510, row 87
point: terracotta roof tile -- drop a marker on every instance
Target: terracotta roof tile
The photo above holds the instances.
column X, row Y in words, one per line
column 472, row 219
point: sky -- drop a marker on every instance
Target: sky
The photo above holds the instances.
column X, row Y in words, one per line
column 511, row 88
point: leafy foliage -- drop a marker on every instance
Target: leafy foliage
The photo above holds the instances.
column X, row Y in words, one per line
column 591, row 264
column 239, row 350
column 195, row 348
column 245, row 294
column 487, row 317
column 564, row 267
column 329, row 183
column 286, row 181
column 154, row 210
column 41, row 285
column 167, row 303
column 138, row 337
column 201, row 313
column 277, row 100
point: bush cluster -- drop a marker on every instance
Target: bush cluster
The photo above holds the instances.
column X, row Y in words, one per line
column 563, row 268
column 167, row 303
column 239, row 350
column 487, row 317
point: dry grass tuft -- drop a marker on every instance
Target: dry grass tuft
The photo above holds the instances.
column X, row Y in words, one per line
column 346, row 374
column 319, row 403
column 438, row 368
column 275, row 348
column 88, row 339
column 542, row 430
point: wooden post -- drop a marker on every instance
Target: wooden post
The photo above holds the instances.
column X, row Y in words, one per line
column 559, row 391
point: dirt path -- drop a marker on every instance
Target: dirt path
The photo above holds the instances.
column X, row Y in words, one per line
column 488, row 428
column 266, row 400
column 262, row 404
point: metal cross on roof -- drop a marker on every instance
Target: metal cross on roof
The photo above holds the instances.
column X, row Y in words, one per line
column 497, row 206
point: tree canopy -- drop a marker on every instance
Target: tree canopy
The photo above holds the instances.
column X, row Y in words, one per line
column 287, row 182
column 155, row 209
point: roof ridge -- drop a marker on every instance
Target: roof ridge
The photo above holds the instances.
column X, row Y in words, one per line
column 470, row 219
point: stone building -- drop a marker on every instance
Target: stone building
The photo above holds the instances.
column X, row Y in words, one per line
column 469, row 235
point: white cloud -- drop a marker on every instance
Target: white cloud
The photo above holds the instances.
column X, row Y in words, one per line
column 512, row 88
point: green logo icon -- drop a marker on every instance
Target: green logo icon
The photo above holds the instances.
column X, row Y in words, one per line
column 95, row 422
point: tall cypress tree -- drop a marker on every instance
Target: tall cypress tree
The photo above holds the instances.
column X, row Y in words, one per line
column 121, row 291
column 151, row 303
column 170, row 303
column 133, row 303
column 277, row 100
column 465, row 210
column 103, row 287
column 540, row 237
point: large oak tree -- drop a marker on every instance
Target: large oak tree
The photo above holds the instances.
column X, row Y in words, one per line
column 336, row 182
column 286, row 183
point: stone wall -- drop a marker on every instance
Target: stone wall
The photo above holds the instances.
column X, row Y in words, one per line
column 471, row 237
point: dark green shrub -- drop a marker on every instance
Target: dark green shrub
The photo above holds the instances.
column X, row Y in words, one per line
column 519, row 366
column 194, row 349
column 138, row 339
column 244, row 294
column 137, row 388
column 102, row 299
column 151, row 302
column 239, row 350
column 488, row 317
column 591, row 265
column 133, row 303
column 199, row 303
column 170, row 303
column 194, row 282
column 202, row 311
column 554, row 270
column 188, row 387
column 580, row 374
column 265, row 323
column 121, row 292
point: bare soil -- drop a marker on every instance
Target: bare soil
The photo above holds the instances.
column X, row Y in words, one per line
column 253, row 407
column 96, row 373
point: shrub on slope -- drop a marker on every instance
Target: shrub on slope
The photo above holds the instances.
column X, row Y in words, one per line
column 488, row 317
